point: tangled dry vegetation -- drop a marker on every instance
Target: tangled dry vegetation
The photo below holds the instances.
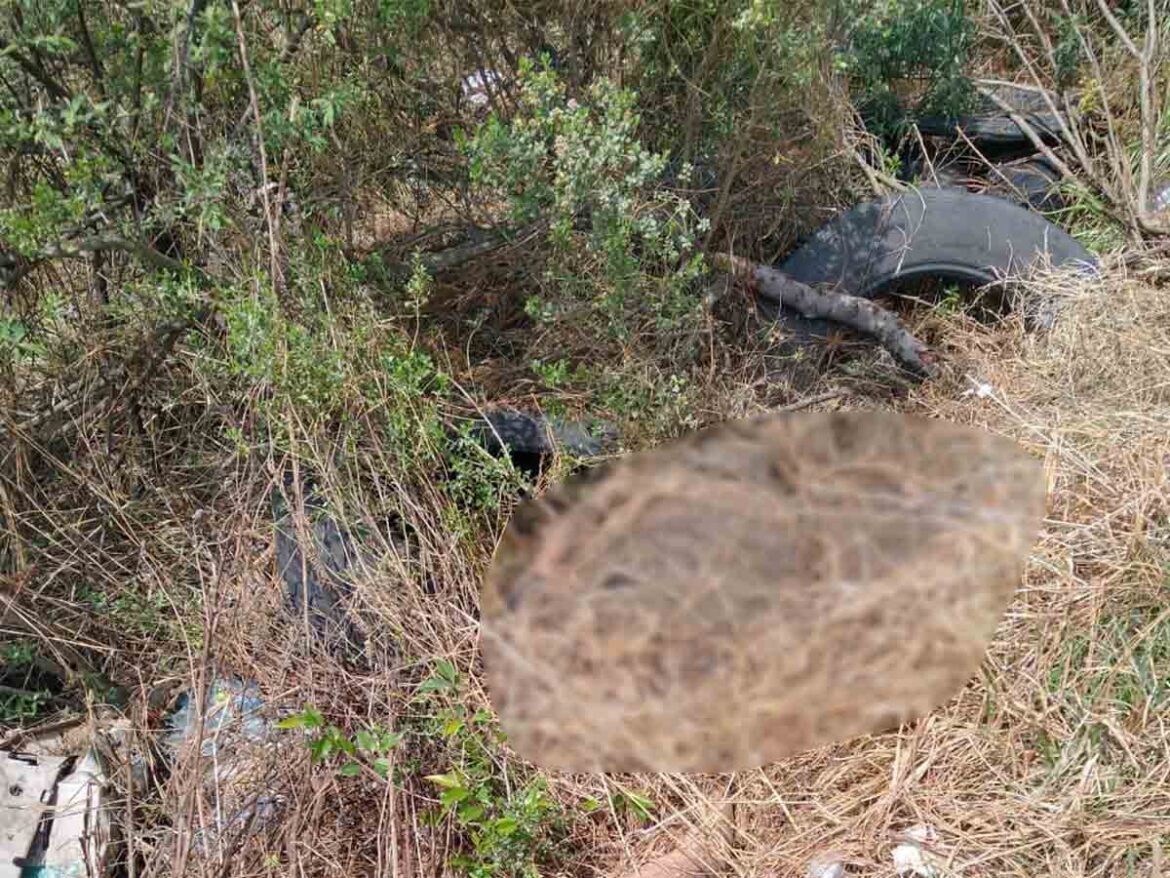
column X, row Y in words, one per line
column 212, row 310
column 1053, row 761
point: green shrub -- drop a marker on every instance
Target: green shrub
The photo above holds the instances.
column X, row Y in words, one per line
column 907, row 58
column 580, row 166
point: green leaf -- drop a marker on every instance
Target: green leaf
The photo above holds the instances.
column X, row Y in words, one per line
column 447, row 781
column 388, row 741
column 639, row 803
column 469, row 813
column 309, row 718
column 445, row 677
column 453, row 797
column 452, row 726
column 382, row 766
column 12, row 331
column 350, row 769
column 366, row 740
column 340, row 742
column 505, row 826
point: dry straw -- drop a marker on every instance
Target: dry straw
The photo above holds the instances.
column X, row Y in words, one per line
column 755, row 590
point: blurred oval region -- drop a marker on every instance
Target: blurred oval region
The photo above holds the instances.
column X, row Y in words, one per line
column 754, row 590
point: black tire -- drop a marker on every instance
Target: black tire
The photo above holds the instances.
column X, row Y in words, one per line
column 316, row 587
column 523, row 433
column 1031, row 182
column 948, row 234
column 994, row 128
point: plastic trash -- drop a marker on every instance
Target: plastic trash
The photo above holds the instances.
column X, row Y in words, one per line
column 54, row 819
column 234, row 734
column 232, row 713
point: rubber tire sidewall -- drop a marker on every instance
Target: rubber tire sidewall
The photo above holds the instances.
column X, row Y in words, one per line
column 944, row 233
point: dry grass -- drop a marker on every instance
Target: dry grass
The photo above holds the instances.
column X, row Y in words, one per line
column 1054, row 761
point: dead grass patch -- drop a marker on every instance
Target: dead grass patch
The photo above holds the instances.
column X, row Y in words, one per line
column 1053, row 762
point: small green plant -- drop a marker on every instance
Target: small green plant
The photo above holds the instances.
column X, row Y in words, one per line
column 147, row 613
column 18, row 707
column 581, row 166
column 512, row 825
column 951, row 299
column 479, row 481
column 909, row 57
column 23, row 697
column 368, row 747
column 1089, row 218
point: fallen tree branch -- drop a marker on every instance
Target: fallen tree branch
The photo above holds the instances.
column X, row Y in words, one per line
column 13, row 269
column 852, row 311
column 97, row 243
column 449, row 258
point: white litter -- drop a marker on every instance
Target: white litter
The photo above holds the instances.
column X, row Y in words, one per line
column 826, row 868
column 53, row 821
column 475, row 87
column 81, row 826
column 911, row 858
column 979, row 389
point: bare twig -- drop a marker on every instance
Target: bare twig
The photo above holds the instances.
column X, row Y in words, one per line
column 1029, row 131
column 95, row 62
column 809, row 401
column 740, row 147
column 182, row 61
column 1129, row 200
column 270, row 220
column 450, row 258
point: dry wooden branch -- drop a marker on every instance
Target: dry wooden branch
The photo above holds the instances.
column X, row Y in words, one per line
column 1149, row 103
column 271, row 217
column 100, row 243
column 450, row 258
column 852, row 311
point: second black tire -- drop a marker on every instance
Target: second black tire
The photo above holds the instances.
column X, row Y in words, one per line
column 947, row 234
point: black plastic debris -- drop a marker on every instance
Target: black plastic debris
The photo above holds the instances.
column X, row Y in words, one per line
column 316, row 586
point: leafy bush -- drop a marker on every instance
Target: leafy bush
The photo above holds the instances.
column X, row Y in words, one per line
column 580, row 166
column 908, row 58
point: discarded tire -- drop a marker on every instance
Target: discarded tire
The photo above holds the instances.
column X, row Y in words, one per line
column 948, row 234
column 315, row 583
column 1031, row 182
column 991, row 127
column 523, row 433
